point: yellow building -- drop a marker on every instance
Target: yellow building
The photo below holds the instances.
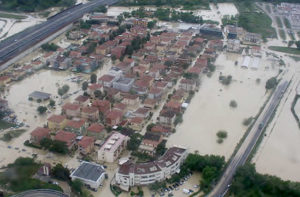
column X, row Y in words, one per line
column 57, row 122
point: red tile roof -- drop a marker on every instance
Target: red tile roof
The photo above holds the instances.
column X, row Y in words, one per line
column 40, row 132
column 90, row 110
column 71, row 106
column 136, row 120
column 75, row 123
column 65, row 136
column 86, row 141
column 57, row 118
column 106, row 78
column 96, row 128
column 95, row 86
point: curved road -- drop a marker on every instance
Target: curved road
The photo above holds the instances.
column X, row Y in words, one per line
column 16, row 44
column 244, row 151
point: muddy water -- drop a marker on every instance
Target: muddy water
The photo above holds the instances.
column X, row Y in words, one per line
column 279, row 151
column 209, row 110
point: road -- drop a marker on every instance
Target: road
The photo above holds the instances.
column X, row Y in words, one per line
column 244, row 151
column 18, row 43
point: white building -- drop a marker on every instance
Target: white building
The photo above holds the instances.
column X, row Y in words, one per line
column 233, row 45
column 113, row 147
column 131, row 174
column 90, row 174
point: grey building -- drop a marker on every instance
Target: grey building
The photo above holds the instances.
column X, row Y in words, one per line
column 123, row 84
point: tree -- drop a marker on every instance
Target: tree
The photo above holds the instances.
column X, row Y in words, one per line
column 59, row 147
column 60, row 172
column 233, row 104
column 151, row 24
column 271, row 83
column 49, row 47
column 290, row 43
column 52, row 103
column 134, row 142
column 161, row 148
column 46, row 143
column 84, row 86
column 93, row 78
column 150, row 126
column 98, row 94
column 66, row 88
column 222, row 134
column 41, row 109
column 76, row 186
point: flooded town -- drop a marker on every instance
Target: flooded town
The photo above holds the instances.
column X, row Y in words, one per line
column 135, row 98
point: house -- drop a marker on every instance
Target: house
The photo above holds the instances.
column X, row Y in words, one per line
column 94, row 87
column 251, row 38
column 123, row 84
column 174, row 106
column 112, row 147
column 187, row 84
column 77, row 126
column 90, row 174
column 121, row 107
column 82, row 100
column 71, row 110
column 131, row 100
column 142, row 112
column 233, row 46
column 161, row 129
column 57, row 122
column 67, row 137
column 118, row 51
column 97, row 131
column 113, row 94
column 103, row 106
column 211, row 30
column 256, row 51
column 140, row 22
column 107, row 80
column 166, row 117
column 114, row 117
column 86, row 145
column 4, row 80
column 38, row 134
column 155, row 93
column 150, row 103
column 150, row 142
column 90, row 113
column 216, row 44
column 136, row 123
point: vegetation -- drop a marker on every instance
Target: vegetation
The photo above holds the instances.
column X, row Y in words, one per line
column 278, row 21
column 61, row 173
column 222, row 134
column 285, row 50
column 134, row 142
column 282, row 34
column 101, row 8
column 5, row 125
column 93, row 78
column 161, row 148
column 233, row 104
column 178, row 119
column 13, row 16
column 225, row 80
column 49, row 47
column 287, row 23
column 33, row 5
column 51, row 103
column 18, row 176
column 12, row 134
column 84, row 86
column 247, row 121
column 247, row 182
column 151, row 24
column 253, row 20
column 63, row 90
column 229, row 20
column 54, row 146
column 293, row 109
column 42, row 109
column 271, row 83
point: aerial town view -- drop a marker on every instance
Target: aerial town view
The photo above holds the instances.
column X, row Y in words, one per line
column 104, row 98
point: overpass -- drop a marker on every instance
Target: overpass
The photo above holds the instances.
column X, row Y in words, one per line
column 17, row 44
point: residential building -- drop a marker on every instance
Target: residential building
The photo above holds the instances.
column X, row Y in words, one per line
column 114, row 117
column 113, row 147
column 97, row 131
column 123, row 84
column 107, row 80
column 211, row 30
column 77, row 126
column 67, row 137
column 90, row 174
column 57, row 122
column 86, row 145
column 90, row 113
column 187, row 84
column 150, row 142
column 138, row 174
column 94, row 87
column 131, row 100
column 38, row 134
column 136, row 123
column 142, row 112
column 82, row 100
column 233, row 45
column 71, row 110
column 166, row 117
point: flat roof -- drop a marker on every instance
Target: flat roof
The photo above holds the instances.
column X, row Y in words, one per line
column 88, row 171
column 39, row 95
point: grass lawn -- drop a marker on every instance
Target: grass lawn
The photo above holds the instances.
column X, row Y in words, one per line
column 5, row 125
column 254, row 20
column 13, row 16
column 282, row 34
column 285, row 50
column 278, row 21
column 287, row 23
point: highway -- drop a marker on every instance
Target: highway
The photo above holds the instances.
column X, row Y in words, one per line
column 244, row 151
column 18, row 43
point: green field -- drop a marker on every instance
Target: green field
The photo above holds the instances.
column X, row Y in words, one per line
column 285, row 50
column 13, row 16
column 12, row 134
column 282, row 34
column 287, row 23
column 254, row 20
column 5, row 125
column 278, row 21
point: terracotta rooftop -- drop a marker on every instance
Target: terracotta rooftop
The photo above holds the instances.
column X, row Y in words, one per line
column 106, row 78
column 89, row 110
column 81, row 98
column 56, row 118
column 86, row 141
column 75, row 123
column 96, row 128
column 71, row 106
column 40, row 132
column 65, row 136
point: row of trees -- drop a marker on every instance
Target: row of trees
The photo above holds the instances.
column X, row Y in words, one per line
column 54, row 146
